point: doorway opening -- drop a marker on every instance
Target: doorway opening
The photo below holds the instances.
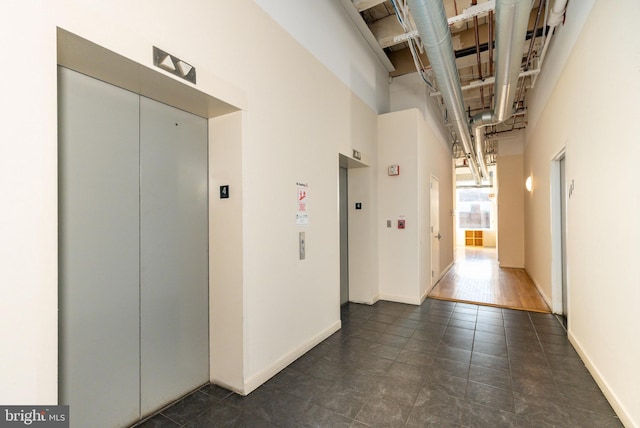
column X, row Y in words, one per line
column 477, row 276
column 476, row 211
column 434, row 188
column 559, row 272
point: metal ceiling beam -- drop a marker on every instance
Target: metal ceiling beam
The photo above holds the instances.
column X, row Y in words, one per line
column 385, row 30
column 472, row 12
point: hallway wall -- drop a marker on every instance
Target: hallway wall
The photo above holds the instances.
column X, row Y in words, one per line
column 404, row 257
column 511, row 192
column 298, row 116
column 354, row 63
column 592, row 112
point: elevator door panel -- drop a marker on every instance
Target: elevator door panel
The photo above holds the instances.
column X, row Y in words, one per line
column 174, row 253
column 98, row 251
column 344, row 237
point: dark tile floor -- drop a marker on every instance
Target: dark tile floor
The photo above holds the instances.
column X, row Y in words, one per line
column 441, row 364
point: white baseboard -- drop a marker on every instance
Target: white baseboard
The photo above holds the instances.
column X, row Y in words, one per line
column 401, row 299
column 363, row 302
column 442, row 274
column 544, row 296
column 425, row 294
column 225, row 385
column 264, row 375
column 445, row 270
column 623, row 415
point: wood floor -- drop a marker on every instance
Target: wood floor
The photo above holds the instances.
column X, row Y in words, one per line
column 475, row 277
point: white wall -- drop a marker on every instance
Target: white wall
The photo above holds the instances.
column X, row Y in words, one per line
column 562, row 43
column 343, row 50
column 410, row 91
column 434, row 159
column 28, row 219
column 399, row 252
column 226, row 293
column 592, row 112
column 511, row 193
column 406, row 139
column 297, row 117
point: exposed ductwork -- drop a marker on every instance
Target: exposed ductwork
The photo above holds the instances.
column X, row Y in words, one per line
column 431, row 21
column 512, row 18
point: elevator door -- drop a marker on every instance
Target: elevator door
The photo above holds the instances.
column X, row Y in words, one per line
column 133, row 252
column 344, row 237
column 174, row 328
column 99, row 334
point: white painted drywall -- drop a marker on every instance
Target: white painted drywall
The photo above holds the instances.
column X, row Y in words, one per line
column 226, row 294
column 28, row 219
column 510, row 211
column 560, row 47
column 596, row 124
column 297, row 117
column 407, row 140
column 325, row 30
column 434, row 158
column 399, row 251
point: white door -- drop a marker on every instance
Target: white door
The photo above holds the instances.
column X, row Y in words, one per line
column 435, row 229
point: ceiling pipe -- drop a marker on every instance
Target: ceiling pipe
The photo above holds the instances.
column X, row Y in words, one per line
column 512, row 19
column 520, row 94
column 431, row 21
column 557, row 13
column 556, row 17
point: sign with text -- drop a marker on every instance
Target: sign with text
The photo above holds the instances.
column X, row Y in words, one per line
column 302, row 199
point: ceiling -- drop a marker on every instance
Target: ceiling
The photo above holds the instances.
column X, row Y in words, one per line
column 472, row 27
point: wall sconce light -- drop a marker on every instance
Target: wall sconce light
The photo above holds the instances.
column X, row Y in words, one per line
column 529, row 183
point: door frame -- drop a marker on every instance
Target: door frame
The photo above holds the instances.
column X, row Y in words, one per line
column 435, row 267
column 344, row 232
column 557, row 237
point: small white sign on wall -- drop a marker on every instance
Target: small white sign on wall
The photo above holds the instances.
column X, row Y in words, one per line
column 302, row 200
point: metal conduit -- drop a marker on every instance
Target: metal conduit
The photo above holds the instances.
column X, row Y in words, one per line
column 431, row 22
column 512, row 19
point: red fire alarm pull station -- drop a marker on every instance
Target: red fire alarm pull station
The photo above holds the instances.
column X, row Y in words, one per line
column 401, row 224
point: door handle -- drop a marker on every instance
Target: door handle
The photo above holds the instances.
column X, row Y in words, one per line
column 438, row 236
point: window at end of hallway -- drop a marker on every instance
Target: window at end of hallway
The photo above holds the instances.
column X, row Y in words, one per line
column 474, row 208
